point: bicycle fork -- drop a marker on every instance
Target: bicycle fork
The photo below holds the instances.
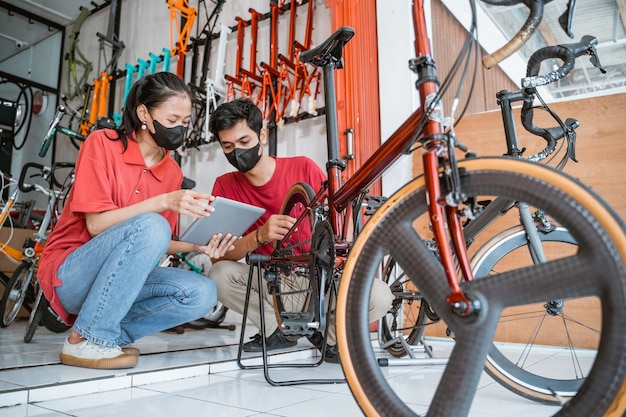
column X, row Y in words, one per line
column 448, row 233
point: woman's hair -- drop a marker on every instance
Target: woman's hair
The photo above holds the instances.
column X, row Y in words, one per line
column 229, row 114
column 150, row 90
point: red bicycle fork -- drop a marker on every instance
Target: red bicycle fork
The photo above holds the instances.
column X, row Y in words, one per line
column 448, row 234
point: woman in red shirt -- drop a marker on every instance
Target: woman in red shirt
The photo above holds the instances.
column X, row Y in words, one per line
column 99, row 268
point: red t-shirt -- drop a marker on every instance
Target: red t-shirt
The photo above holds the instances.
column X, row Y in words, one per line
column 270, row 196
column 107, row 178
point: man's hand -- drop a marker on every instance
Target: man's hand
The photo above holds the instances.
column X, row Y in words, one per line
column 275, row 228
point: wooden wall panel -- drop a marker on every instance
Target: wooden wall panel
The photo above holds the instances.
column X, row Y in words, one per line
column 600, row 145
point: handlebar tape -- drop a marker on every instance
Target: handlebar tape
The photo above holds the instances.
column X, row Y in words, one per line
column 533, row 80
column 522, row 36
column 568, row 54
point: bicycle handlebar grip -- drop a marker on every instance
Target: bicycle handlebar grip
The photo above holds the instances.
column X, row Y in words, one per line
column 522, row 36
column 568, row 54
column 21, row 184
column 253, row 258
column 533, row 80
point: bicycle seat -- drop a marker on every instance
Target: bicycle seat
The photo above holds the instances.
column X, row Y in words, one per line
column 330, row 50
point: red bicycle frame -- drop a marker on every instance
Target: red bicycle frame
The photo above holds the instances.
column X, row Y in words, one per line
column 424, row 125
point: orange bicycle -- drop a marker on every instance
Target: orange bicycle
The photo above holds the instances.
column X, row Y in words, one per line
column 22, row 288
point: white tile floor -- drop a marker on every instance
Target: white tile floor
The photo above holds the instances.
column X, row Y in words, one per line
column 196, row 373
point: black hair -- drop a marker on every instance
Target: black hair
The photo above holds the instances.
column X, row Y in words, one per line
column 227, row 115
column 150, row 90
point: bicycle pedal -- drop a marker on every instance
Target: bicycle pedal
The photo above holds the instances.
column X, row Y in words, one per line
column 295, row 332
column 372, row 203
column 295, row 316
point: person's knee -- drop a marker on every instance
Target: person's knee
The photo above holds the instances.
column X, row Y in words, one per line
column 219, row 273
column 209, row 292
column 204, row 296
column 226, row 274
column 153, row 227
column 380, row 300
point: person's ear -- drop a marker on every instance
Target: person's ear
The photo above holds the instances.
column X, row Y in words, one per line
column 263, row 136
column 142, row 113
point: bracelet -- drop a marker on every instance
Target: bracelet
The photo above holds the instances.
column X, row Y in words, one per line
column 256, row 234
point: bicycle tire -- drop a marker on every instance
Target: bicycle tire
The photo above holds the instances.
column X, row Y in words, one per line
column 287, row 288
column 596, row 269
column 39, row 307
column 15, row 293
column 52, row 321
column 513, row 371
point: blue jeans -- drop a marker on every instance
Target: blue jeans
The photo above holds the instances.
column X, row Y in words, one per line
column 112, row 283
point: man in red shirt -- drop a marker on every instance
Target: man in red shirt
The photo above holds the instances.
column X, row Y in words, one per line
column 263, row 181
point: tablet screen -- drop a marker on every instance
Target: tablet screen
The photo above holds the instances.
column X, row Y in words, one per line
column 230, row 216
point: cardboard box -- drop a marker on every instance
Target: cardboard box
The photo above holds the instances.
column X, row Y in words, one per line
column 17, row 239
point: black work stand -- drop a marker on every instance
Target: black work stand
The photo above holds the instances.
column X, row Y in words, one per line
column 255, row 260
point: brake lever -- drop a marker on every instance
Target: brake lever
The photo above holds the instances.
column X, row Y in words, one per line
column 587, row 46
column 565, row 20
column 595, row 59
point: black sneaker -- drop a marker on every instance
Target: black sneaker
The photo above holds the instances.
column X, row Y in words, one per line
column 275, row 341
column 331, row 354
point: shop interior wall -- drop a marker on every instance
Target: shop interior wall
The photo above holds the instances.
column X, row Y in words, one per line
column 38, row 64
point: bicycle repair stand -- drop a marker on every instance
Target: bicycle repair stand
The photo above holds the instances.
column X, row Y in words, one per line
column 254, row 260
column 412, row 360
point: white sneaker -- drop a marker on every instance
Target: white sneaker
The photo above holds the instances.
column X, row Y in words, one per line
column 91, row 355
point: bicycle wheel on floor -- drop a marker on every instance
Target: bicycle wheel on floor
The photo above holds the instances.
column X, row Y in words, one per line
column 52, row 321
column 16, row 292
column 39, row 307
column 595, row 270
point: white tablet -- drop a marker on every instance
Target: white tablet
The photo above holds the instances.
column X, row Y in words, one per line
column 230, row 216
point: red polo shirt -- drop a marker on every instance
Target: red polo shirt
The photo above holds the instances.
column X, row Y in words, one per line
column 270, row 196
column 107, row 178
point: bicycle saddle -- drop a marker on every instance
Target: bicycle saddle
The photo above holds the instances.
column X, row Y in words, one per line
column 330, row 50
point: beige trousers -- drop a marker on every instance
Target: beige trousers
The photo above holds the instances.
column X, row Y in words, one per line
column 231, row 279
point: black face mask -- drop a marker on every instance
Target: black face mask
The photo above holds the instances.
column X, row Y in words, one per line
column 244, row 159
column 169, row 138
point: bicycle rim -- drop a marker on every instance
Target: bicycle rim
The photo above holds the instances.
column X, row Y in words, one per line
column 15, row 293
column 596, row 270
column 565, row 323
column 293, row 290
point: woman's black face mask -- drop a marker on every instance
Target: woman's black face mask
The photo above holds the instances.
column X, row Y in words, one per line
column 169, row 138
